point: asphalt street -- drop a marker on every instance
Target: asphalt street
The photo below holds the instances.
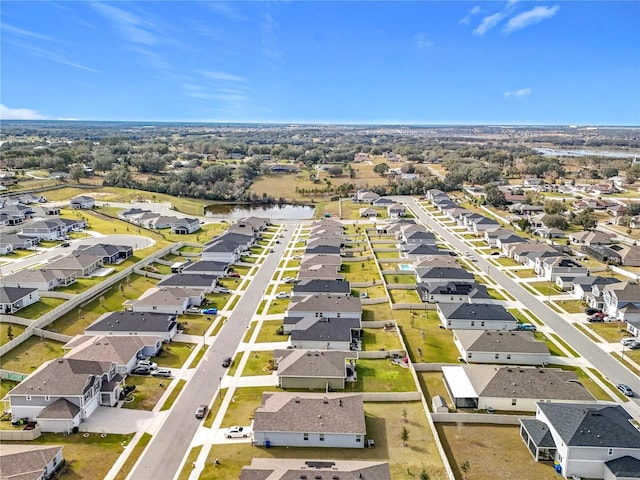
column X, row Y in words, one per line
column 162, row 458
column 607, row 365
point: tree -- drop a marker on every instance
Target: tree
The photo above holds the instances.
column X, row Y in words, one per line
column 465, row 466
column 586, row 219
column 633, row 209
column 424, row 475
column 77, row 172
column 404, row 415
column 404, row 436
column 555, row 221
column 335, row 171
column 494, row 196
column 381, row 168
column 10, row 332
column 555, row 207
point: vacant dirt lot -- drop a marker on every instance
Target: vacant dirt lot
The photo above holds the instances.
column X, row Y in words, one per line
column 494, row 452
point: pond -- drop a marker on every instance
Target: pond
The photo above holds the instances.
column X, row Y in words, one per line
column 276, row 212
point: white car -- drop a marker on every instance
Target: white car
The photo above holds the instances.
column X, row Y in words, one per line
column 236, row 432
column 147, row 363
column 289, row 279
column 282, row 295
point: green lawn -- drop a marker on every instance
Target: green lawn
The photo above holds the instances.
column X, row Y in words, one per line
column 376, row 339
column 195, row 324
column 545, row 288
column 611, row 332
column 174, row 354
column 404, row 296
column 30, row 354
column 36, row 310
column 269, row 332
column 379, row 311
column 259, row 363
column 6, row 328
column 495, row 294
column 196, row 360
column 524, row 273
column 360, row 271
column 74, row 322
column 553, row 349
column 187, row 468
column 87, row 457
column 571, row 306
column 384, row 422
column 171, row 399
column 245, row 401
column 381, row 375
column 6, row 386
column 426, row 341
column 401, row 279
column 278, row 306
column 506, row 262
column 148, row 391
column 81, row 285
column 387, row 254
column 133, row 457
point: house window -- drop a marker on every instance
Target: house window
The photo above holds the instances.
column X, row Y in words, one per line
column 321, row 437
column 497, row 356
column 514, row 401
column 482, row 324
column 470, row 355
column 47, row 398
column 358, row 438
column 155, row 307
column 473, row 324
column 610, row 451
column 338, row 314
column 508, row 356
column 305, row 436
column 28, row 397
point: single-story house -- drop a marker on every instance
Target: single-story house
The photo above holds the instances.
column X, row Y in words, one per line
column 111, row 254
column 333, row 306
column 443, row 274
column 511, row 388
column 42, row 279
column 322, row 250
column 367, row 212
column 324, row 272
column 475, row 316
column 315, row 369
column 288, row 468
column 205, row 282
column 365, row 196
column 185, row 226
column 584, row 440
column 514, row 348
column 333, row 420
column 171, row 300
column 20, row 242
column 30, row 462
column 147, row 324
column 590, row 237
column 81, row 264
column 13, row 299
column 208, row 267
column 320, row 287
column 452, row 292
column 83, row 202
column 326, row 333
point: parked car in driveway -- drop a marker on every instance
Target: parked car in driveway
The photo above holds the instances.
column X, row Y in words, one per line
column 237, row 432
column 210, row 311
column 592, row 311
column 201, row 411
column 141, row 371
column 626, row 389
column 147, row 363
column 528, row 327
column 628, row 340
column 282, row 295
column 595, row 319
column 223, row 290
column 162, row 372
column 233, row 275
column 363, row 295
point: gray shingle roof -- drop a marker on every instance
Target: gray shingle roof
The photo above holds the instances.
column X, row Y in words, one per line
column 132, row 322
column 327, row 303
column 294, row 469
column 472, row 289
column 624, row 467
column 188, row 280
column 205, row 266
column 118, row 349
column 538, row 432
column 446, row 273
column 498, row 342
column 25, row 462
column 60, row 409
column 13, row 294
column 319, row 285
column 324, row 329
column 592, row 425
column 311, row 413
column 312, row 363
column 475, row 311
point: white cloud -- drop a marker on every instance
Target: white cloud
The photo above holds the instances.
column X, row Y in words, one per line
column 530, row 17
column 422, row 41
column 223, row 76
column 475, row 10
column 466, row 20
column 7, row 113
column 133, row 28
column 488, row 22
column 227, row 10
column 523, row 92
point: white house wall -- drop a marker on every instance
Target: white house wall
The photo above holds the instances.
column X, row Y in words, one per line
column 321, row 345
column 588, row 462
column 294, row 439
column 513, row 358
column 57, row 425
column 479, row 324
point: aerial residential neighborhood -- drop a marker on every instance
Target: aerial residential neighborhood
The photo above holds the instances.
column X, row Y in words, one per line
column 377, row 335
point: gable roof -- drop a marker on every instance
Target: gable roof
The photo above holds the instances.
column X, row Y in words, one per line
column 13, row 294
column 331, row 303
column 25, row 462
column 445, row 273
column 341, row 413
column 624, row 291
column 189, row 280
column 591, row 425
column 36, row 275
column 624, row 467
column 312, row 363
column 498, row 341
column 320, row 259
column 60, row 409
column 133, row 321
column 472, row 289
column 118, row 349
column 103, row 249
column 319, row 285
column 293, row 469
column 75, row 260
column 166, row 296
column 475, row 311
column 323, row 329
column 205, row 266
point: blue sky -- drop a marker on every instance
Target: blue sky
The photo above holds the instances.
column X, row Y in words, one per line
column 415, row 62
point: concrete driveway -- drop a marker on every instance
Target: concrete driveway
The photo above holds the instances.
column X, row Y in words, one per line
column 118, row 420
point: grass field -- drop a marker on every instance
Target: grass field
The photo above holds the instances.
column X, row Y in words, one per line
column 4, row 332
column 494, row 452
column 171, row 399
column 148, row 391
column 360, row 271
column 259, row 363
column 404, row 296
column 431, row 384
column 174, row 355
column 376, row 339
column 384, row 422
column 381, row 375
column 36, row 310
column 74, row 322
column 6, row 386
column 269, row 332
column 87, row 458
column 571, row 306
column 426, row 341
column 30, row 354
